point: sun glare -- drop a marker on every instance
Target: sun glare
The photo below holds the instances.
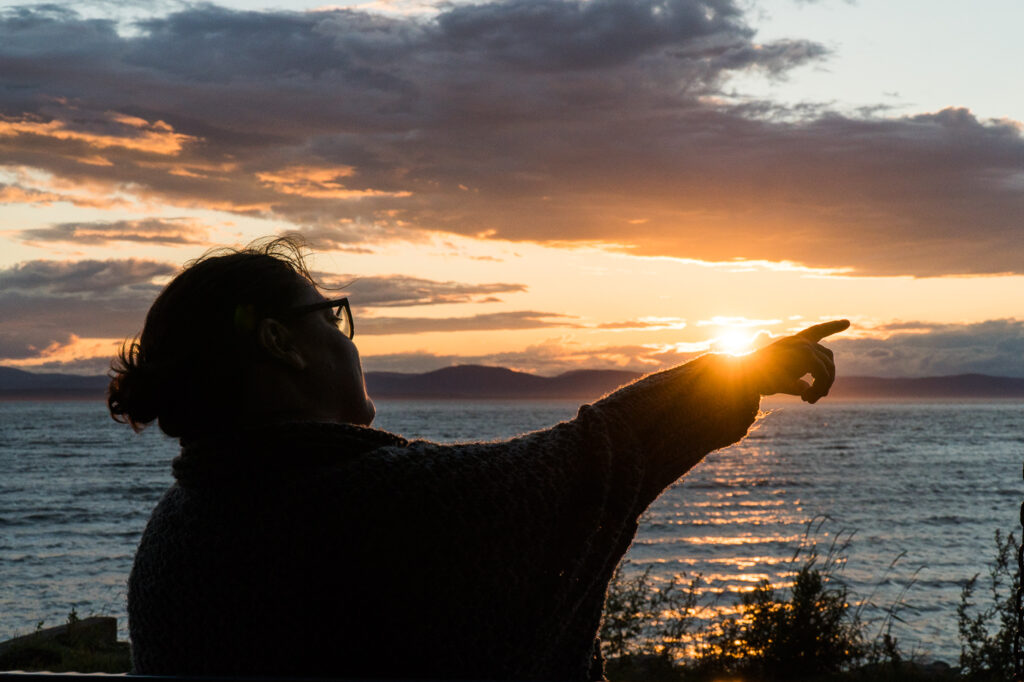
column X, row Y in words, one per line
column 734, row 342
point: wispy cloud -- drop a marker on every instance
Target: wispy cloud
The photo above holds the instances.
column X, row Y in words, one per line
column 387, row 291
column 318, row 183
column 19, row 194
column 644, row 323
column 85, row 277
column 519, row 319
column 108, row 130
column 166, row 231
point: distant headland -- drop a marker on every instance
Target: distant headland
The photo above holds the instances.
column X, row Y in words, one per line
column 482, row 382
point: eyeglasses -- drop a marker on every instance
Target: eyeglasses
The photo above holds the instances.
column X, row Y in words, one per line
column 342, row 313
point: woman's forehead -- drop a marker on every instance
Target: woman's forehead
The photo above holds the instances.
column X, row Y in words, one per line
column 309, row 294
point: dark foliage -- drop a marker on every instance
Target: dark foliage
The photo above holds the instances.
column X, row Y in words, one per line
column 806, row 633
column 642, row 618
column 987, row 633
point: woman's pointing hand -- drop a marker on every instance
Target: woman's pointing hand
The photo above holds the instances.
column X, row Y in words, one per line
column 781, row 366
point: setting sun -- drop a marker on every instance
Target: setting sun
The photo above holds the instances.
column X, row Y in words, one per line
column 733, row 342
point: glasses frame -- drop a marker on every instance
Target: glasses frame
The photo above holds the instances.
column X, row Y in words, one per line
column 344, row 311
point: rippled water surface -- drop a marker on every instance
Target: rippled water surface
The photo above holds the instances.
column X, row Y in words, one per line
column 925, row 483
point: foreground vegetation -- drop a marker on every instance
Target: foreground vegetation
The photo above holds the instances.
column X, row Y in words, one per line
column 814, row 629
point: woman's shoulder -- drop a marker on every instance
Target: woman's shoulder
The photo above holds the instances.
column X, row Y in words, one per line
column 273, row 450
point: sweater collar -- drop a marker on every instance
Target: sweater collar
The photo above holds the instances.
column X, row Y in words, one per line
column 270, row 450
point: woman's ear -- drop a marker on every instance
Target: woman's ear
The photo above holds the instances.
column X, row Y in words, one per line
column 276, row 339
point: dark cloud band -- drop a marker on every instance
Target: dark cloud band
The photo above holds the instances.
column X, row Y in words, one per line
column 46, row 302
column 168, row 232
column 542, row 120
column 520, row 319
column 401, row 290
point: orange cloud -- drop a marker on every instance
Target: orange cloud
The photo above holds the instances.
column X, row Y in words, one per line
column 194, row 168
column 128, row 132
column 75, row 350
column 319, row 183
column 16, row 194
column 650, row 323
column 726, row 321
column 520, row 319
column 150, row 231
column 95, row 160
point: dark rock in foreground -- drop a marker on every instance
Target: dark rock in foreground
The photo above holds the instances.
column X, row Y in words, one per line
column 82, row 645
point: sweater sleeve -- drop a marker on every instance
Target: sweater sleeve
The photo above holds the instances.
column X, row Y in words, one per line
column 672, row 419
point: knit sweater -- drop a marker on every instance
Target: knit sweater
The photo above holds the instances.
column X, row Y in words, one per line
column 316, row 549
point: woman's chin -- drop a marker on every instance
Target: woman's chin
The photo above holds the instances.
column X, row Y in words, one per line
column 369, row 412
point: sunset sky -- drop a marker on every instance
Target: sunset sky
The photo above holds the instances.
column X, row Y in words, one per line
column 540, row 184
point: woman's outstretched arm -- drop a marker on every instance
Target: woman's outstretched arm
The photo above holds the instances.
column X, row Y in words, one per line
column 518, row 539
column 678, row 416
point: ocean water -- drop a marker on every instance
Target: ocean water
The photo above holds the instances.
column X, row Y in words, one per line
column 918, row 489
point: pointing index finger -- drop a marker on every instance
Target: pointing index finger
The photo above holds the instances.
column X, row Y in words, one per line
column 819, row 331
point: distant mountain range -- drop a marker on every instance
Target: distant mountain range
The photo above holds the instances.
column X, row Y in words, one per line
column 473, row 381
column 478, row 382
column 18, row 384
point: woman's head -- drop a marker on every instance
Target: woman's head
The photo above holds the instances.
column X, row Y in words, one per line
column 220, row 346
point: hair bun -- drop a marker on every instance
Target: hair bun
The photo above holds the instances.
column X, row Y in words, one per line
column 135, row 390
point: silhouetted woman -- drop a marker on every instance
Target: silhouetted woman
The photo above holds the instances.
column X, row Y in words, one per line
column 298, row 541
